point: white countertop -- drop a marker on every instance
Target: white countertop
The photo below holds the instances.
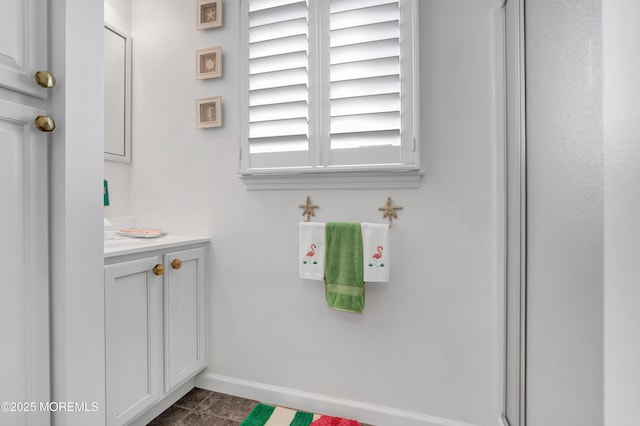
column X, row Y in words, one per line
column 118, row 246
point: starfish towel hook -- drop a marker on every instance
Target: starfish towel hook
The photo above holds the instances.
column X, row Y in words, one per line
column 308, row 209
column 389, row 211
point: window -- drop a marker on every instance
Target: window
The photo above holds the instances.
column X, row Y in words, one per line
column 329, row 86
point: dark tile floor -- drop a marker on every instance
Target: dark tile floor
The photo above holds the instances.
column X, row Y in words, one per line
column 201, row 407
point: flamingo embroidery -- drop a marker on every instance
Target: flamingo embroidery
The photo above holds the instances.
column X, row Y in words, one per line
column 377, row 256
column 310, row 254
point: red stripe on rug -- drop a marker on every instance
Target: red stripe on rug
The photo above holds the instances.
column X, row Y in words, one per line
column 334, row 421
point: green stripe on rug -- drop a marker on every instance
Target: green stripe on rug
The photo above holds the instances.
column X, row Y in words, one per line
column 259, row 415
column 302, row 419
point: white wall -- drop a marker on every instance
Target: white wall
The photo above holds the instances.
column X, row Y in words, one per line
column 427, row 342
column 621, row 211
column 565, row 213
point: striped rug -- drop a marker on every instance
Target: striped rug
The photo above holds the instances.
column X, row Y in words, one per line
column 268, row 415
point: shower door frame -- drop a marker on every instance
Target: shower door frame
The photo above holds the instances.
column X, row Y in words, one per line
column 515, row 289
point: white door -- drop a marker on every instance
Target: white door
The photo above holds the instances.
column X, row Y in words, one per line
column 24, row 280
column 184, row 318
column 133, row 330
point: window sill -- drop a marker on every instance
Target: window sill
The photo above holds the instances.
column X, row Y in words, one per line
column 274, row 180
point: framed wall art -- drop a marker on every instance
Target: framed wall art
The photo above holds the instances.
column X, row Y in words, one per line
column 209, row 63
column 209, row 14
column 209, row 112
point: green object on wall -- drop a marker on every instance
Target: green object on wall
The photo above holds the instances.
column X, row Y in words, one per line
column 106, row 193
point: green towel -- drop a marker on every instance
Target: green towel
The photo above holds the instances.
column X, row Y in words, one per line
column 344, row 284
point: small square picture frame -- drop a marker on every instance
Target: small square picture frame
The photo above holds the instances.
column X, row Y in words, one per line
column 209, row 63
column 209, row 112
column 209, row 14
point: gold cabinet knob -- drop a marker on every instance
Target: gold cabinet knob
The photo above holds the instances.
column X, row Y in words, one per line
column 45, row 123
column 45, row 79
column 176, row 264
column 158, row 269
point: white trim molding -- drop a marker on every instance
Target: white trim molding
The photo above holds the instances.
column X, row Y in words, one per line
column 514, row 386
column 356, row 179
column 504, row 421
column 317, row 403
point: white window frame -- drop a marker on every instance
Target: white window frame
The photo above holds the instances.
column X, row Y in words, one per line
column 318, row 176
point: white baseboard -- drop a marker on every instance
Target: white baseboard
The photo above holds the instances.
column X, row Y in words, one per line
column 367, row 413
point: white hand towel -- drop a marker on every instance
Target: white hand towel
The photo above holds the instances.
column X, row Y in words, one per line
column 375, row 252
column 312, row 243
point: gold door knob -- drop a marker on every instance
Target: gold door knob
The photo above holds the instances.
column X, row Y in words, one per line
column 45, row 123
column 176, row 264
column 45, row 79
column 158, row 269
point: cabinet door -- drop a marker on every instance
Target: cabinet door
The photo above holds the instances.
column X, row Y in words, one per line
column 133, row 330
column 23, row 45
column 184, row 329
column 24, row 252
column 24, row 285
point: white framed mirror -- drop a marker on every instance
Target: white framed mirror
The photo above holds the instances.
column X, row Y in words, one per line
column 117, row 95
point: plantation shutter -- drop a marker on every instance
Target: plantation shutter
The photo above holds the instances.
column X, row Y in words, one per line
column 364, row 82
column 329, row 86
column 278, row 131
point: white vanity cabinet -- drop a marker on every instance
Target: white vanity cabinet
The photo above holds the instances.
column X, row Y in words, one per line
column 154, row 326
